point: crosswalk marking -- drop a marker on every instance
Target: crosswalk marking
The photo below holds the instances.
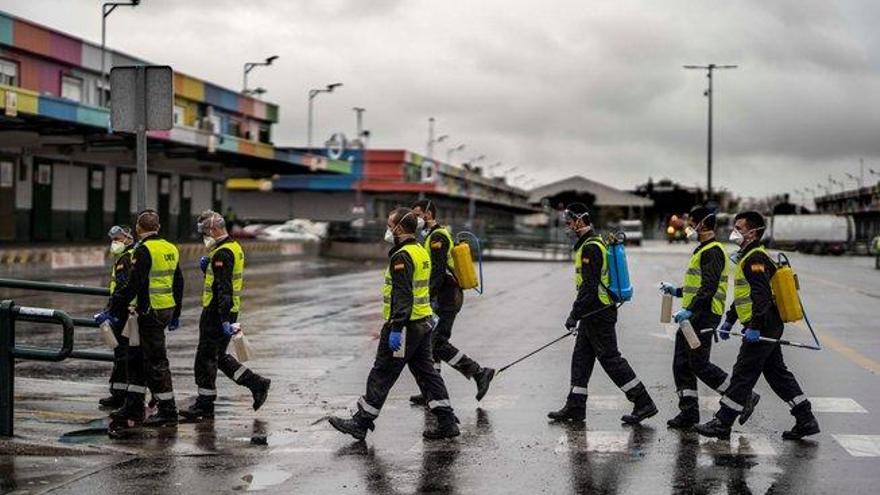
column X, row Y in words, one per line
column 600, row 442
column 859, row 445
column 317, row 441
column 836, row 405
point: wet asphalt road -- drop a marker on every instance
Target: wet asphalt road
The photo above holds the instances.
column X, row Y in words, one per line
column 314, row 325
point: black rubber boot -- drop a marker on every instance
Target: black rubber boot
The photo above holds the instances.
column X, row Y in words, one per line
column 447, row 427
column 714, row 429
column 201, row 409
column 685, row 419
column 165, row 416
column 418, row 400
column 132, row 409
column 805, row 422
column 483, row 378
column 115, row 400
column 260, row 390
column 643, row 406
column 569, row 412
column 749, row 408
column 353, row 426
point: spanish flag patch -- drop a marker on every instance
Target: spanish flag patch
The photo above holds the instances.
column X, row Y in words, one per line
column 436, row 245
column 586, row 261
column 399, row 266
column 757, row 268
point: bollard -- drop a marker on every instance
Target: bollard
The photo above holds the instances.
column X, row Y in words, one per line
column 7, row 367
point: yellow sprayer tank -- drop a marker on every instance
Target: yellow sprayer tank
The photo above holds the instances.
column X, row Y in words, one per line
column 785, row 290
column 465, row 272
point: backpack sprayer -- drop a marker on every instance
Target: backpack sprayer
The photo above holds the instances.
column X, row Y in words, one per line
column 463, row 262
column 619, row 288
column 784, row 286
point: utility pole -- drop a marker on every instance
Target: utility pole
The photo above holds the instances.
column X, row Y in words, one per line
column 710, row 68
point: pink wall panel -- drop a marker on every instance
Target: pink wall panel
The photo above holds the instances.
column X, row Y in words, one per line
column 66, row 49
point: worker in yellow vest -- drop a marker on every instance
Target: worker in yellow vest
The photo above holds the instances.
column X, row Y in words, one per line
column 754, row 306
column 703, row 299
column 157, row 283
column 592, row 320
column 121, row 244
column 446, row 300
column 221, row 306
column 405, row 339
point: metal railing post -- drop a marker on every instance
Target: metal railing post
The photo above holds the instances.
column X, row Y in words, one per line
column 7, row 368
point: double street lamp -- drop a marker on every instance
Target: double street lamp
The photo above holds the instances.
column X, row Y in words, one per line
column 249, row 66
column 312, row 94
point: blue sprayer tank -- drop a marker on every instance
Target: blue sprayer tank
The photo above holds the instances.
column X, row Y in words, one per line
column 620, row 287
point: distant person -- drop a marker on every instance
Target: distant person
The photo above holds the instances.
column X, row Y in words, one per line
column 703, row 297
column 157, row 283
column 231, row 218
column 121, row 246
column 754, row 307
column 446, row 300
column 221, row 305
column 592, row 320
column 405, row 338
column 877, row 252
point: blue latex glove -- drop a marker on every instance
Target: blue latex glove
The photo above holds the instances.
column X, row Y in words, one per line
column 394, row 339
column 751, row 335
column 174, row 324
column 681, row 315
column 103, row 316
column 667, row 288
column 203, row 263
column 724, row 330
column 227, row 329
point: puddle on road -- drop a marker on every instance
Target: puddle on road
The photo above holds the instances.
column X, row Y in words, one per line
column 264, row 478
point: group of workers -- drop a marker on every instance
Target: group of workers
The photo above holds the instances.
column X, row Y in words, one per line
column 146, row 298
column 420, row 283
column 421, row 299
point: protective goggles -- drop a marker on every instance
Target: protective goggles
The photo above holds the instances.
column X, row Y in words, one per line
column 119, row 230
column 208, row 223
column 573, row 217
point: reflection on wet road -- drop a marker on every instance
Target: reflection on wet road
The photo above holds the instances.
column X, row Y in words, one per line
column 314, row 325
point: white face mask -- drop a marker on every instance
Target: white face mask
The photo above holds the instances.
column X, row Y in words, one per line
column 691, row 233
column 209, row 241
column 420, row 224
column 117, row 247
column 389, row 236
column 737, row 237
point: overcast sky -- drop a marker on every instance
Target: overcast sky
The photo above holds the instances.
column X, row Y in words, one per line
column 553, row 87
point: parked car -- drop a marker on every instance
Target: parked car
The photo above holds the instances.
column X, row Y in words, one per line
column 294, row 230
column 634, row 231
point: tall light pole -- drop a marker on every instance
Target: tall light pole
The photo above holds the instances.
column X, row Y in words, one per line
column 106, row 10
column 452, row 150
column 359, row 111
column 312, row 94
column 249, row 66
column 708, row 93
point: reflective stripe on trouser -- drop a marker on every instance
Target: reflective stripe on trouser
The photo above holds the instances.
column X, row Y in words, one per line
column 149, row 362
column 211, row 354
column 753, row 361
column 386, row 369
column 119, row 374
column 689, row 365
column 443, row 350
column 597, row 341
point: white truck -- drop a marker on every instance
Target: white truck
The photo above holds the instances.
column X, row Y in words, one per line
column 817, row 234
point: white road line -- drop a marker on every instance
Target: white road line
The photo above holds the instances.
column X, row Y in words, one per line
column 859, row 445
column 601, row 442
column 836, row 405
column 320, row 441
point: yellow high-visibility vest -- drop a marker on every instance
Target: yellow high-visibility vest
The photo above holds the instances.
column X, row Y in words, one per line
column 693, row 278
column 421, row 307
column 604, row 297
column 237, row 276
column 164, row 257
column 742, row 291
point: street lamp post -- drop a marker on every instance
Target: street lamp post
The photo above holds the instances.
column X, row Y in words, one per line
column 106, row 9
column 249, row 66
column 452, row 150
column 708, row 93
column 312, row 94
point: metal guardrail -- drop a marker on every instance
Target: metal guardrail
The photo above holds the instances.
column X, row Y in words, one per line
column 10, row 313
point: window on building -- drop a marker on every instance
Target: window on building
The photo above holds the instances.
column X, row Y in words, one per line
column 178, row 115
column 102, row 86
column 8, row 73
column 265, row 136
column 72, row 88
